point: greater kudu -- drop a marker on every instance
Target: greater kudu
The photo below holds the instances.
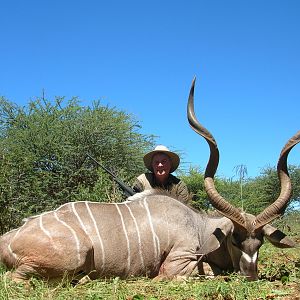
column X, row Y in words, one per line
column 241, row 234
column 151, row 235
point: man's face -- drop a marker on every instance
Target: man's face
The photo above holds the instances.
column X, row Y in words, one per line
column 161, row 165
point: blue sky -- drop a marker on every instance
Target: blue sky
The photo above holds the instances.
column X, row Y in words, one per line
column 141, row 56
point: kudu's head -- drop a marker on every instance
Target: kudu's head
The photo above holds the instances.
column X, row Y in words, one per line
column 246, row 235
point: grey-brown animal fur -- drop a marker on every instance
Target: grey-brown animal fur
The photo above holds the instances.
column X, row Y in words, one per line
column 153, row 235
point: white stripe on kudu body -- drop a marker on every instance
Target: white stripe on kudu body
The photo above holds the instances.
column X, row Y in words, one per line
column 155, row 238
column 126, row 236
column 12, row 253
column 14, row 238
column 138, row 235
column 78, row 218
column 73, row 233
column 98, row 234
column 47, row 233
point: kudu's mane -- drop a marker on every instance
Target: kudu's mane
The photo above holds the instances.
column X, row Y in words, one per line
column 160, row 192
column 149, row 193
column 154, row 192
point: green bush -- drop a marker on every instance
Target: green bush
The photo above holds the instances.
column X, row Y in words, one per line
column 43, row 155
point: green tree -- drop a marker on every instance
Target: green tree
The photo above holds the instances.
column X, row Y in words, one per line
column 295, row 175
column 257, row 193
column 266, row 187
column 194, row 180
column 43, row 150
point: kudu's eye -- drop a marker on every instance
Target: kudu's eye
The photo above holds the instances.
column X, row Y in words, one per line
column 235, row 240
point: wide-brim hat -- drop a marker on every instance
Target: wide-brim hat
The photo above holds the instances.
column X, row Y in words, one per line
column 175, row 160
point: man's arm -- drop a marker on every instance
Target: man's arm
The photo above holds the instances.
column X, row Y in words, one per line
column 183, row 192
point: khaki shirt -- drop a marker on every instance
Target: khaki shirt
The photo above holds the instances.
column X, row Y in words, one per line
column 176, row 187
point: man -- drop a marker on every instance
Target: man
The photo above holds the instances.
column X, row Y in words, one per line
column 162, row 162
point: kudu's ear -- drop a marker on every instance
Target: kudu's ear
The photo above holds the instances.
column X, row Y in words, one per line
column 277, row 237
column 214, row 240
